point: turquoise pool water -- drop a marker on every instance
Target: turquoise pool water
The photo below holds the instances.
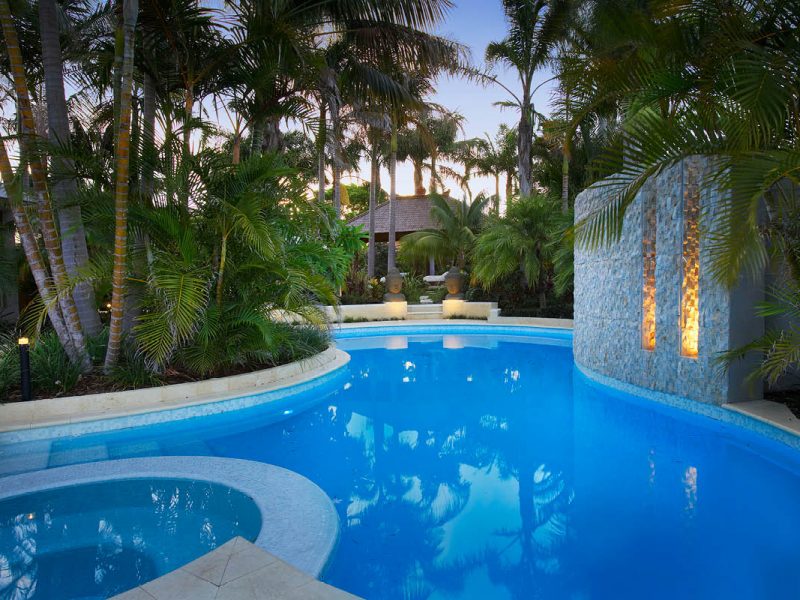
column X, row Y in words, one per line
column 100, row 539
column 475, row 465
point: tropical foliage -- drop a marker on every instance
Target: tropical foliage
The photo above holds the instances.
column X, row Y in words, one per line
column 165, row 189
column 523, row 242
column 454, row 238
column 707, row 78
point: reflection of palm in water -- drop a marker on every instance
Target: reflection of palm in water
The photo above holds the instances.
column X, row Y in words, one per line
column 393, row 490
column 19, row 571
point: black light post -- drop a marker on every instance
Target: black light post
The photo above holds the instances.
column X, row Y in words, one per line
column 24, row 369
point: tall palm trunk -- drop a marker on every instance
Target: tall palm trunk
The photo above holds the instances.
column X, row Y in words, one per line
column 497, row 194
column 336, row 154
column 273, row 137
column 33, row 255
column 148, row 137
column 321, row 140
column 509, row 188
column 434, row 184
column 47, row 223
column 524, row 140
column 73, row 236
column 392, row 197
column 374, row 186
column 565, row 181
column 419, row 187
column 188, row 110
column 565, row 162
column 130, row 14
column 258, row 137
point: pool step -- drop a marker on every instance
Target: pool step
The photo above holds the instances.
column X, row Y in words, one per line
column 419, row 312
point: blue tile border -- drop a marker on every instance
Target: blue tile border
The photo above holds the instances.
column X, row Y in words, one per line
column 455, row 328
column 299, row 523
column 711, row 411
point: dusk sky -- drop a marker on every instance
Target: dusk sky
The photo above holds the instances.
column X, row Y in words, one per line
column 474, row 23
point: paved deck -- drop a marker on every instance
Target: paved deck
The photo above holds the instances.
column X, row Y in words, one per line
column 237, row 570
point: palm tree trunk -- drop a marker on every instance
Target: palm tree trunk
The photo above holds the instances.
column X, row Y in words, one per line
column 434, row 188
column 524, row 138
column 223, row 254
column 46, row 217
column 497, row 194
column 34, row 256
column 374, row 186
column 336, row 159
column 188, row 110
column 419, row 187
column 273, row 138
column 130, row 14
column 323, row 129
column 565, row 162
column 236, row 152
column 76, row 254
column 148, row 136
column 392, row 198
column 509, row 188
column 565, row 182
column 258, row 137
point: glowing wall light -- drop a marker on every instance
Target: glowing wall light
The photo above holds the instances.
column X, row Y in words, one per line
column 649, row 272
column 690, row 285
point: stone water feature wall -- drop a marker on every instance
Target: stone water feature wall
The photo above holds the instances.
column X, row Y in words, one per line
column 647, row 311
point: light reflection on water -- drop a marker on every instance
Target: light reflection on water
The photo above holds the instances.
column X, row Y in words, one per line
column 487, row 467
column 97, row 540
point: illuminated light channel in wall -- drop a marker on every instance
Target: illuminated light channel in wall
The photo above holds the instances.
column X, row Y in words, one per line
column 690, row 292
column 649, row 272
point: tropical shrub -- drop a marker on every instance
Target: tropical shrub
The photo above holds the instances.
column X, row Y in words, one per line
column 452, row 241
column 523, row 242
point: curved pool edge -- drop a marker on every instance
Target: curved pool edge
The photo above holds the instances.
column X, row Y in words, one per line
column 94, row 413
column 761, row 426
column 299, row 523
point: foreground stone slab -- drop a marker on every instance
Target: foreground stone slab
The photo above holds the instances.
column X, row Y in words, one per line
column 237, row 570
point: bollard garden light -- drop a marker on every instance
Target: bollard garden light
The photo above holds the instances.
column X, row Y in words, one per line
column 24, row 368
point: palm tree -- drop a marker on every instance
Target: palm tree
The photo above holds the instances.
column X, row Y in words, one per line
column 522, row 242
column 432, row 133
column 130, row 11
column 496, row 157
column 64, row 187
column 73, row 338
column 453, row 240
column 535, row 26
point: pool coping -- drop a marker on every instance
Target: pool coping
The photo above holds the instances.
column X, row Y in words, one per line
column 74, row 415
column 237, row 570
column 299, row 523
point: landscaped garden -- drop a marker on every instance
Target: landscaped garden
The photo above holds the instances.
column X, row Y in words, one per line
column 509, row 312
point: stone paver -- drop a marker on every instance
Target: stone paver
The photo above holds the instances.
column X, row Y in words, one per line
column 237, row 570
column 773, row 413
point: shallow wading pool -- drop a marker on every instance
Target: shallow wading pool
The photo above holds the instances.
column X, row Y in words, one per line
column 473, row 462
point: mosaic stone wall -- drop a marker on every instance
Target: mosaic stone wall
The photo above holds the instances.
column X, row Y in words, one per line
column 611, row 297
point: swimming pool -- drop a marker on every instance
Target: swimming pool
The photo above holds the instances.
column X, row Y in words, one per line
column 475, row 464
